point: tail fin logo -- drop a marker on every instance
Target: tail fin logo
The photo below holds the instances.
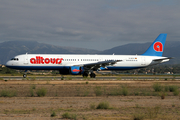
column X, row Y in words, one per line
column 158, row 47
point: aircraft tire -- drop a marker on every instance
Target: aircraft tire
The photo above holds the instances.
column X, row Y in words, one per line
column 85, row 74
column 92, row 75
column 24, row 75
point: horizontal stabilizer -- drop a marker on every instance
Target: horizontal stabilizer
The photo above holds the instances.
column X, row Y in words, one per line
column 163, row 59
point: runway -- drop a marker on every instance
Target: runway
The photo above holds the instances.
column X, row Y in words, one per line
column 104, row 78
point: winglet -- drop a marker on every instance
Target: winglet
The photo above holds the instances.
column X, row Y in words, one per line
column 157, row 47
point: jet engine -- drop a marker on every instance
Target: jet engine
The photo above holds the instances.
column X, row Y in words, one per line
column 76, row 70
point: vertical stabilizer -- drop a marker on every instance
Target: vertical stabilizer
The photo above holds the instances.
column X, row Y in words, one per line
column 157, row 47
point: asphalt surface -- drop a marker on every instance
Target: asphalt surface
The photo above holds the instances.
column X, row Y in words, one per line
column 97, row 78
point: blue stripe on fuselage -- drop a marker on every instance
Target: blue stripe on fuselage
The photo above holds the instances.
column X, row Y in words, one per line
column 64, row 67
column 39, row 67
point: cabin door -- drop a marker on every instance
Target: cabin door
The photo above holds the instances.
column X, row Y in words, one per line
column 26, row 59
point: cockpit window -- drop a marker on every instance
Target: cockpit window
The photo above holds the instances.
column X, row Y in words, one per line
column 15, row 59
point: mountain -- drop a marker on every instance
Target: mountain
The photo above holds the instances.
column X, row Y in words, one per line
column 10, row 49
column 128, row 49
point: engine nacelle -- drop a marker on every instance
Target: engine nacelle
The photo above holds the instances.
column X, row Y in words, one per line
column 76, row 70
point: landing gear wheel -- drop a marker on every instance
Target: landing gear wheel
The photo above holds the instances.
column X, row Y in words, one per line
column 85, row 74
column 24, row 75
column 92, row 75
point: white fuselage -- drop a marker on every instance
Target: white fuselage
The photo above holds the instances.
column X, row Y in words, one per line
column 86, row 64
column 60, row 61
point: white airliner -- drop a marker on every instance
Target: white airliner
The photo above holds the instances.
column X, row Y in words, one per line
column 86, row 64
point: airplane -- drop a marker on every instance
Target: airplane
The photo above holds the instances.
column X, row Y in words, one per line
column 79, row 64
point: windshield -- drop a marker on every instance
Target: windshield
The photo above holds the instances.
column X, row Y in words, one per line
column 15, row 59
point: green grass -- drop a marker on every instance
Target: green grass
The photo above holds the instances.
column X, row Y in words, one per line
column 69, row 116
column 103, row 105
column 86, row 92
column 173, row 88
column 41, row 92
column 31, row 92
column 19, row 111
column 152, row 113
column 66, row 115
column 138, row 116
column 98, row 91
column 69, row 78
column 32, row 78
column 92, row 106
column 166, row 88
column 115, row 91
column 8, row 93
column 176, row 92
column 33, row 86
column 125, row 91
column 136, row 93
column 157, row 87
column 53, row 114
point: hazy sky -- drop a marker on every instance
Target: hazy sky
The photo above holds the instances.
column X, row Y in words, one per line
column 95, row 24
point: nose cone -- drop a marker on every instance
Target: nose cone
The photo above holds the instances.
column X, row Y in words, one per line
column 8, row 64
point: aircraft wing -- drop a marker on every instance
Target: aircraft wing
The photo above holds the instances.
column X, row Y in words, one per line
column 159, row 60
column 98, row 65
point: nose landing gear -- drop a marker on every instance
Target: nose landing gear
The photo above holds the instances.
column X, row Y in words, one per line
column 25, row 74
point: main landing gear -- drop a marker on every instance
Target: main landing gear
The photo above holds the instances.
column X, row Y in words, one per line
column 85, row 74
column 92, row 75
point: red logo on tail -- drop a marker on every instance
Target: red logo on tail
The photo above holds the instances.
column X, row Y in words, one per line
column 158, row 46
